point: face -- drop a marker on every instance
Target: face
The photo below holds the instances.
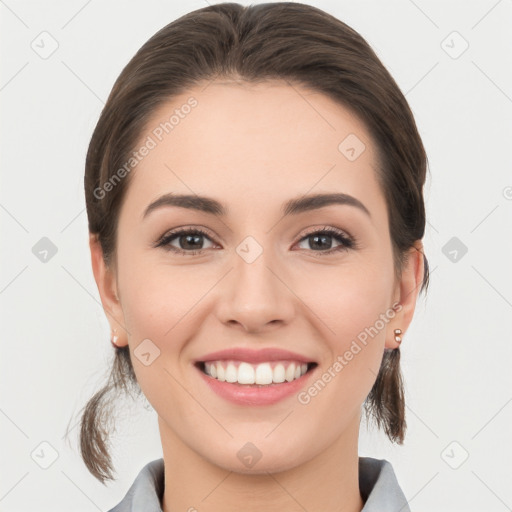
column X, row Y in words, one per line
column 310, row 287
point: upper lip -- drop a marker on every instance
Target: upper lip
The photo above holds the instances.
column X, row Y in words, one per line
column 254, row 356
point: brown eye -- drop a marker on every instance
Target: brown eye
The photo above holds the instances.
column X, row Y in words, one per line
column 321, row 241
column 189, row 241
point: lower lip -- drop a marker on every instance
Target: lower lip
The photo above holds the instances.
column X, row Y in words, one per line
column 252, row 395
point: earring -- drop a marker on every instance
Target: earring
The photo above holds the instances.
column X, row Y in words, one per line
column 114, row 339
column 398, row 339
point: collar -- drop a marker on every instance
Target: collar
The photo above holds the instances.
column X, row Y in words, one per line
column 377, row 483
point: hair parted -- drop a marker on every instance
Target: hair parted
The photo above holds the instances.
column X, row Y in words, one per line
column 287, row 41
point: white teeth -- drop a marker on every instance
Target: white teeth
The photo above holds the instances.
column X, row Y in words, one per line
column 221, row 373
column 261, row 374
column 290, row 373
column 279, row 374
column 231, row 373
column 245, row 374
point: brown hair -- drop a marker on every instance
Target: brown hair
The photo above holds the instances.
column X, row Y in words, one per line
column 293, row 42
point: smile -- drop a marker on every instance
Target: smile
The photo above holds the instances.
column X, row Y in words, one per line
column 261, row 374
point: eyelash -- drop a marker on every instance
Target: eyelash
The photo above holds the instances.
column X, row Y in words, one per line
column 346, row 242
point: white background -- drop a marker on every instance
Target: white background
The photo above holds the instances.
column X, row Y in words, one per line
column 456, row 356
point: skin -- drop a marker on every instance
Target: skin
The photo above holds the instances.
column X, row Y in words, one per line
column 253, row 147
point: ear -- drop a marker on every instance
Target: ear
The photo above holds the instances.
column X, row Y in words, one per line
column 406, row 293
column 106, row 281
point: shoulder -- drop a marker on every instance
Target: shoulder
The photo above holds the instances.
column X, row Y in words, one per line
column 379, row 487
column 146, row 492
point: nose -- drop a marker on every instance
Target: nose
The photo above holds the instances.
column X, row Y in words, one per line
column 255, row 296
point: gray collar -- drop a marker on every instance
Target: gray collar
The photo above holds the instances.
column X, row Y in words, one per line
column 377, row 484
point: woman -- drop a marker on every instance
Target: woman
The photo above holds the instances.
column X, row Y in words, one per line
column 255, row 205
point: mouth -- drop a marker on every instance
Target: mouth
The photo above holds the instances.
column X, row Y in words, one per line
column 258, row 375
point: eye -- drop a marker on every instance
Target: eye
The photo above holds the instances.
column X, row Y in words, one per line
column 322, row 239
column 189, row 241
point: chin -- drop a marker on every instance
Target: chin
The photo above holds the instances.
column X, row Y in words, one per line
column 257, row 457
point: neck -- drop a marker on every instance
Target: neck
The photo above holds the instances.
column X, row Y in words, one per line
column 329, row 482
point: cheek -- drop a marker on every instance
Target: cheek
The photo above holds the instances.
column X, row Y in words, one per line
column 350, row 300
column 354, row 309
column 161, row 307
column 157, row 315
column 157, row 298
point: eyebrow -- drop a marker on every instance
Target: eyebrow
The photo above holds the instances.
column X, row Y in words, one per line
column 291, row 207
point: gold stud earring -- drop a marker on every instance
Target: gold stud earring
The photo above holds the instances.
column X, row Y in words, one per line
column 398, row 339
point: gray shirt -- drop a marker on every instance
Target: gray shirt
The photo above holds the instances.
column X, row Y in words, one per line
column 377, row 484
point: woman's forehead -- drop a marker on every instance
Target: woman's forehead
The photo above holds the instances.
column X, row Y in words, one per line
column 269, row 134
